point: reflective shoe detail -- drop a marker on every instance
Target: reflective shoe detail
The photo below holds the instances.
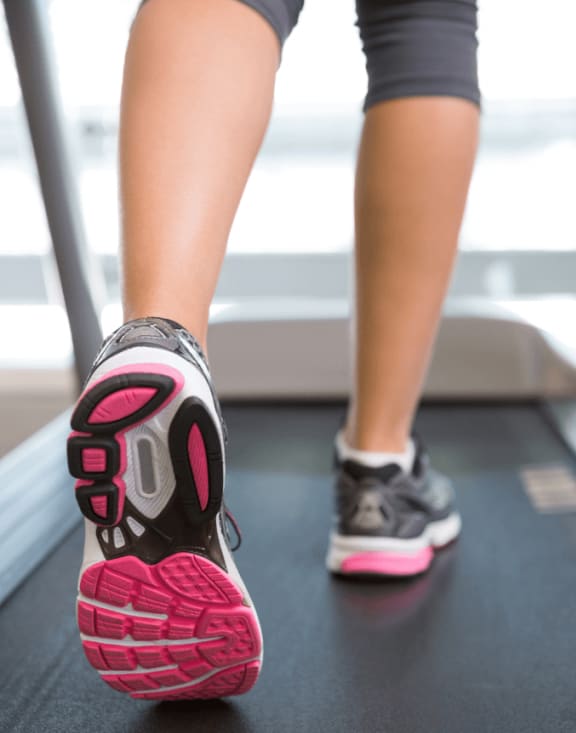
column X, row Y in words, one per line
column 389, row 522
column 162, row 609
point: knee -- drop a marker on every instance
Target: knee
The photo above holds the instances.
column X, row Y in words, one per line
column 420, row 48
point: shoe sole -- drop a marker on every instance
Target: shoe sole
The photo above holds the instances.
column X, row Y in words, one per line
column 158, row 619
column 357, row 555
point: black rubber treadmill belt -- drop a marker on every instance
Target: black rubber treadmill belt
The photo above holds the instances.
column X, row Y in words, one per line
column 484, row 642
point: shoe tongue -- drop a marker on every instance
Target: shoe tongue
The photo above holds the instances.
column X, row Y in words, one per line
column 360, row 471
column 140, row 332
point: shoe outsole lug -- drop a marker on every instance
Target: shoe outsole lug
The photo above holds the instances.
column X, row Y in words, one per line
column 173, row 654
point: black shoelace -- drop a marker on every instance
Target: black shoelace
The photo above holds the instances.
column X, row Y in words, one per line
column 231, row 521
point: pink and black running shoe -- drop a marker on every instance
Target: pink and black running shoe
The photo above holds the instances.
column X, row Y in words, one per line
column 162, row 610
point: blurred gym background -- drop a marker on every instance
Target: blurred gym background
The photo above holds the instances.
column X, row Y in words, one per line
column 509, row 316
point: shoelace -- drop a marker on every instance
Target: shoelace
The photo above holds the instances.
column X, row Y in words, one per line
column 231, row 519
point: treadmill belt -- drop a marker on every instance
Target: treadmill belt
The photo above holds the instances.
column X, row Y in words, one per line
column 484, row 642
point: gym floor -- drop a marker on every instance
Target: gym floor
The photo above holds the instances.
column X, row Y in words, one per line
column 484, row 642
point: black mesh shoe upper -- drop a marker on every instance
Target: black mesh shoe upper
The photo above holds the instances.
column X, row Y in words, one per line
column 386, row 501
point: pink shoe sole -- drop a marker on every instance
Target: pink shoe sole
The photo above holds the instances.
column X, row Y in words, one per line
column 175, row 630
column 388, row 563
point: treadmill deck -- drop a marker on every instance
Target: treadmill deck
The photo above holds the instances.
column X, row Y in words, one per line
column 484, row 642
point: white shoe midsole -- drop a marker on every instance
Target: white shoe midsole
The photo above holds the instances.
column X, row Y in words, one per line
column 436, row 534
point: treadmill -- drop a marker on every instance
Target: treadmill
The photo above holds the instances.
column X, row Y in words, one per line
column 484, row 642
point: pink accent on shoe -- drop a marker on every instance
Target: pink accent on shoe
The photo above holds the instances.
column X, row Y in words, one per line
column 170, row 677
column 118, row 657
column 195, row 600
column 153, row 656
column 152, row 600
column 86, row 619
column 94, row 460
column 151, row 629
column 104, row 406
column 135, row 682
column 112, row 588
column 234, row 681
column 388, row 563
column 250, row 676
column 197, row 579
column 121, row 486
column 94, row 655
column 134, row 570
column 99, row 505
column 148, row 368
column 117, row 684
column 89, row 580
column 199, row 464
column 111, row 625
column 121, row 404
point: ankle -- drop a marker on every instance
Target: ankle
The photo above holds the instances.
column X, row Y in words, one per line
column 376, row 440
column 376, row 458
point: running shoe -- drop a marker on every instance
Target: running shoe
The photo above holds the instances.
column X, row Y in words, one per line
column 389, row 522
column 162, row 610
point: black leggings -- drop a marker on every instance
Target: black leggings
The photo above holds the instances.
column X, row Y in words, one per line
column 412, row 47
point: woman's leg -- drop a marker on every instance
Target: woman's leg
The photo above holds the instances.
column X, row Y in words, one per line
column 414, row 166
column 196, row 99
column 148, row 441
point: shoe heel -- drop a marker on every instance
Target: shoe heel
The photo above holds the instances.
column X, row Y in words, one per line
column 96, row 448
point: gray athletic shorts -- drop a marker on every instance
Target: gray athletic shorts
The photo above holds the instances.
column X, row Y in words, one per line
column 412, row 47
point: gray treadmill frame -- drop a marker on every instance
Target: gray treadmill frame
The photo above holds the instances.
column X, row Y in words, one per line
column 28, row 27
column 37, row 501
